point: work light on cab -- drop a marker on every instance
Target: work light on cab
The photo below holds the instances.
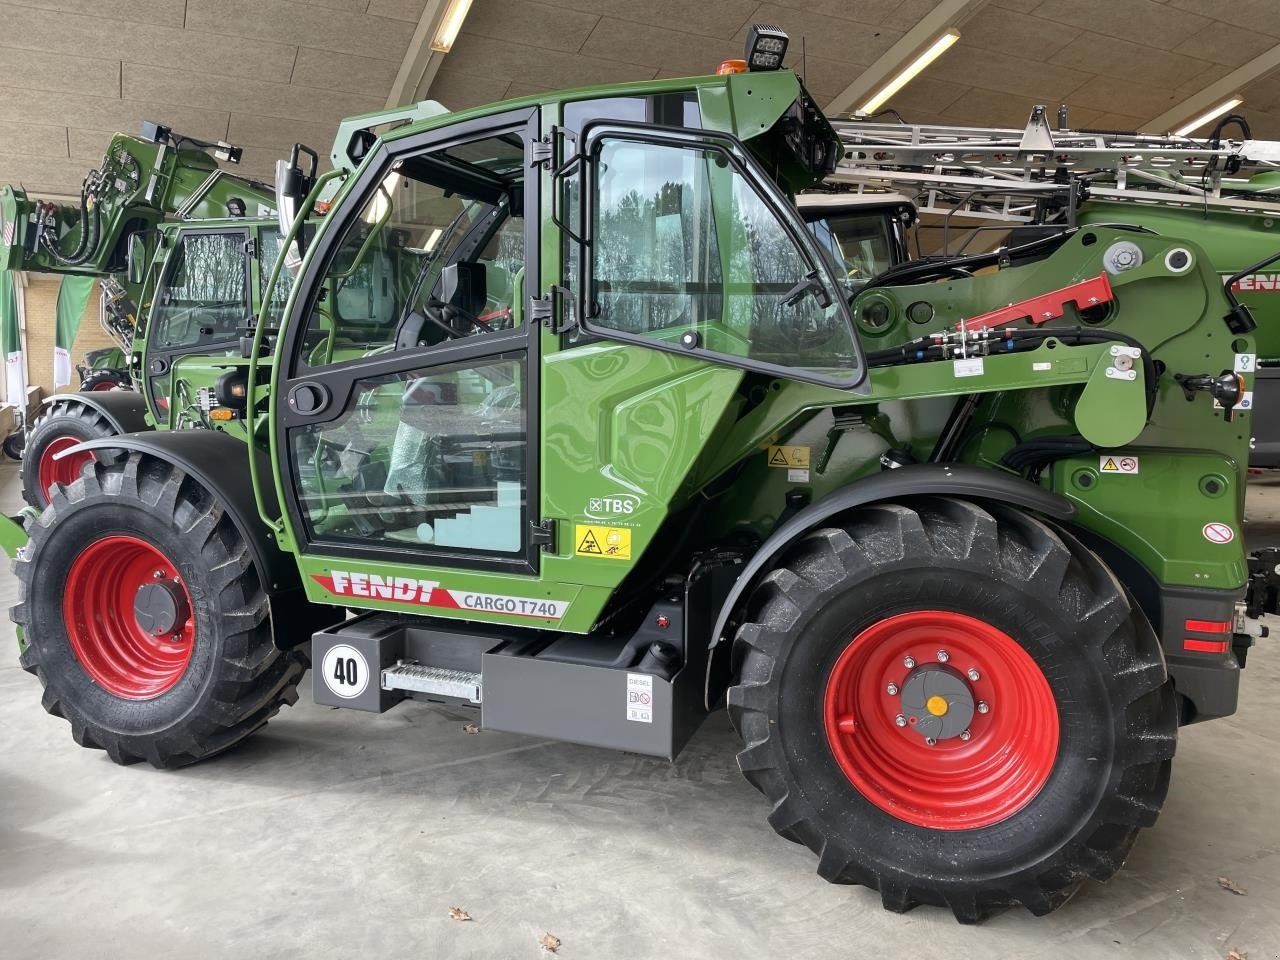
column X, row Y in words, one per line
column 766, row 47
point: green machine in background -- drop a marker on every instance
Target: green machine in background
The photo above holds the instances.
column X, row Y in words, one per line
column 182, row 249
column 570, row 418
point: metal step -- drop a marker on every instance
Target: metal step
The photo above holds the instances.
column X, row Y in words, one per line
column 438, row 681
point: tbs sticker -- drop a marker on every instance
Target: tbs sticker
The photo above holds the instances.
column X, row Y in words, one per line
column 612, row 507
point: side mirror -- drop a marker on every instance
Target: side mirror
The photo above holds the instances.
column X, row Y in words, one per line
column 136, row 258
column 293, row 184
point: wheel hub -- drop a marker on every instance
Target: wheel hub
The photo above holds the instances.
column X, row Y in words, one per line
column 159, row 607
column 937, row 702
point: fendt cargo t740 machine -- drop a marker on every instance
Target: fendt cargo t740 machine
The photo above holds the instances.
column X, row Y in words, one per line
column 569, row 418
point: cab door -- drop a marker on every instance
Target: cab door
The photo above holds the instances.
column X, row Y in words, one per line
column 200, row 304
column 410, row 374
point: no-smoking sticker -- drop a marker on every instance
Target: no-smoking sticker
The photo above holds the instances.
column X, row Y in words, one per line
column 1218, row 532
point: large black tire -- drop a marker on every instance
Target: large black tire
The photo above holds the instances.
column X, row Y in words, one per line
column 106, row 380
column 61, row 419
column 235, row 678
column 1052, row 598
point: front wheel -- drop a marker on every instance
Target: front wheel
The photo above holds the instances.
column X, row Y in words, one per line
column 954, row 705
column 145, row 619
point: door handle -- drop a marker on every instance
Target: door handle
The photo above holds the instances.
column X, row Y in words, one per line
column 309, row 398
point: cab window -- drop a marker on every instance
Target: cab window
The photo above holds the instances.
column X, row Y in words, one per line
column 204, row 297
column 435, row 255
column 856, row 244
column 686, row 252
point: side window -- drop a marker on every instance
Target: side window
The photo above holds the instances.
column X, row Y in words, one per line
column 204, row 297
column 269, row 245
column 431, row 457
column 435, row 255
column 686, row 252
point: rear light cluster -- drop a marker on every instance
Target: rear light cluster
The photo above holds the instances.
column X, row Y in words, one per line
column 1220, row 628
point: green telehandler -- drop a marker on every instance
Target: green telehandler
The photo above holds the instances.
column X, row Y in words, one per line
column 182, row 249
column 570, row 419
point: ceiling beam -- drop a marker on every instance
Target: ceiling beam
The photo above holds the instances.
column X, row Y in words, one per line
column 420, row 63
column 1216, row 93
column 946, row 13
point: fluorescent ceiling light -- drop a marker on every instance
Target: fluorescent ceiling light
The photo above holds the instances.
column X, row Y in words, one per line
column 450, row 24
column 1186, row 129
column 908, row 73
column 434, row 238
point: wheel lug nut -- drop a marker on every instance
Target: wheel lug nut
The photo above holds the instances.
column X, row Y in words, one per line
column 900, row 720
column 965, row 735
column 909, row 662
column 982, row 706
column 929, row 742
column 892, row 689
column 943, row 656
column 974, row 675
column 158, row 575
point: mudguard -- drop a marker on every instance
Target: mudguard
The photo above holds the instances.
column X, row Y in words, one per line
column 125, row 410
column 921, row 479
column 218, row 461
column 12, row 535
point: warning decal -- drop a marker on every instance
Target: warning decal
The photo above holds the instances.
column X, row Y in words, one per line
column 1117, row 464
column 1218, row 533
column 611, row 542
column 789, row 457
column 640, row 697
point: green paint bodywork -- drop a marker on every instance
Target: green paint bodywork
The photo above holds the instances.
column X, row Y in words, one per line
column 688, row 438
column 1233, row 240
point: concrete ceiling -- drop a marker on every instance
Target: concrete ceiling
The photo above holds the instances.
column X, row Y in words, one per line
column 264, row 73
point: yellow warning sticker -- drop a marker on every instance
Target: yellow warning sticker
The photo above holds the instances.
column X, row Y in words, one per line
column 611, row 542
column 789, row 457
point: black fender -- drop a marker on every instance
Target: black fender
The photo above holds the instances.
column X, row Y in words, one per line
column 919, row 479
column 220, row 463
column 125, row 410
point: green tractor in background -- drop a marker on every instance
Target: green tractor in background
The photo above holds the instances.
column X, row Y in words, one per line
column 572, row 410
column 182, row 250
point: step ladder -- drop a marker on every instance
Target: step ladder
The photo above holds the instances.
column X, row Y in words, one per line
column 415, row 677
column 1004, row 174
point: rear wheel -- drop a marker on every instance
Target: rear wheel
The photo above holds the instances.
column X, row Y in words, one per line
column 145, row 619
column 67, row 423
column 106, row 380
column 955, row 706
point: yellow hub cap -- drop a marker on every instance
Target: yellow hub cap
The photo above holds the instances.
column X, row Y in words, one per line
column 936, row 706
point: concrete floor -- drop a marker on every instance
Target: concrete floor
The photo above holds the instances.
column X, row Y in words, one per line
column 337, row 834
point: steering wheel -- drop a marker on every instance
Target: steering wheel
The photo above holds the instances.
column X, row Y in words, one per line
column 445, row 316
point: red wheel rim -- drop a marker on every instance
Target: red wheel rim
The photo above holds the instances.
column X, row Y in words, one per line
column 64, row 471
column 967, row 779
column 103, row 385
column 98, row 607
